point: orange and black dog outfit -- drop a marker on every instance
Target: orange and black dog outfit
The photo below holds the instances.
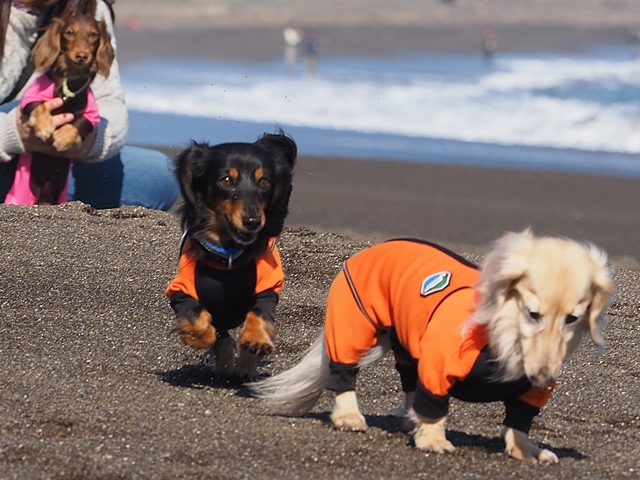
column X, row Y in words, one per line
column 228, row 284
column 422, row 296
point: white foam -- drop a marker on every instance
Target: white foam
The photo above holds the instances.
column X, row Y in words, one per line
column 584, row 102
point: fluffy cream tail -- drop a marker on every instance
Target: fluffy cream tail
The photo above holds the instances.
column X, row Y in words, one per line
column 295, row 391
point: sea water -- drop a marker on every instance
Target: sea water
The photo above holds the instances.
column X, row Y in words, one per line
column 578, row 112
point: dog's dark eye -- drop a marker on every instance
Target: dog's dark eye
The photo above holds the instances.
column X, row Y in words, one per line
column 264, row 183
column 69, row 31
column 226, row 182
column 534, row 315
column 570, row 319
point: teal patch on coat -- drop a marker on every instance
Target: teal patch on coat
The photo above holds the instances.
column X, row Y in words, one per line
column 435, row 283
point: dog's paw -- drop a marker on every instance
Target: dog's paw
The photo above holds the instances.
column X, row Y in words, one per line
column 257, row 335
column 430, row 435
column 247, row 367
column 520, row 447
column 198, row 333
column 66, row 137
column 346, row 414
column 41, row 123
column 349, row 421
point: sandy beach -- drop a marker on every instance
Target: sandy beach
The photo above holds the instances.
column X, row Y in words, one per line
column 94, row 386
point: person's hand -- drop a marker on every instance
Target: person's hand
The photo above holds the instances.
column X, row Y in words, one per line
column 34, row 144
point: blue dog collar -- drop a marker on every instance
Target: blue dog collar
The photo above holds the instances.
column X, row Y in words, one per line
column 229, row 254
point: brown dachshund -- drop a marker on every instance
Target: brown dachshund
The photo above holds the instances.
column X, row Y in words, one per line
column 71, row 52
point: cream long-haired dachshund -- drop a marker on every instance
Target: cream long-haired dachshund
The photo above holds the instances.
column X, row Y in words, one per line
column 498, row 333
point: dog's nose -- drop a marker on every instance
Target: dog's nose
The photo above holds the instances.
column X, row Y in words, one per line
column 541, row 381
column 251, row 222
column 81, row 57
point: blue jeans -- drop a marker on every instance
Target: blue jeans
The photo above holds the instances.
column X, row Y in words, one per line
column 136, row 176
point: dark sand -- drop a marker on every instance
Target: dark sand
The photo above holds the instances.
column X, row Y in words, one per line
column 93, row 386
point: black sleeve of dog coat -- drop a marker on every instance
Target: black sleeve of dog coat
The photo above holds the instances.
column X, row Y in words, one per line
column 342, row 377
column 519, row 415
column 408, row 376
column 184, row 305
column 266, row 304
column 83, row 125
column 429, row 405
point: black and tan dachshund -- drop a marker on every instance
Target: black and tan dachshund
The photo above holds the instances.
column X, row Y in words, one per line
column 236, row 198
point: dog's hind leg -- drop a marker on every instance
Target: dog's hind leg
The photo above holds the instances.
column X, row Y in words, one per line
column 247, row 366
column 404, row 413
column 520, row 446
column 346, row 414
column 224, row 351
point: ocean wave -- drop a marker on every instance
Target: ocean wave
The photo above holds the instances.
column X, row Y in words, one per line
column 584, row 102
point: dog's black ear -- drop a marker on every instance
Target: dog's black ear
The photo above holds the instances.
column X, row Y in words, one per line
column 47, row 48
column 284, row 152
column 190, row 166
column 281, row 143
column 105, row 53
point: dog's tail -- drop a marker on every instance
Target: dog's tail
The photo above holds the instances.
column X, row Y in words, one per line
column 295, row 391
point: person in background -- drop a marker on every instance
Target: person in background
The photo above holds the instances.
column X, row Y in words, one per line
column 108, row 173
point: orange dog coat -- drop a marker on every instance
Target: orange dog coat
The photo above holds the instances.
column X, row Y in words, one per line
column 421, row 295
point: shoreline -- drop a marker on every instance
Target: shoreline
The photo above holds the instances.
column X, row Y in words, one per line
column 228, row 14
column 260, row 43
column 462, row 207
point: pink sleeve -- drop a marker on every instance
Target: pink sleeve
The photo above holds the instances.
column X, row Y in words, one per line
column 40, row 90
column 91, row 112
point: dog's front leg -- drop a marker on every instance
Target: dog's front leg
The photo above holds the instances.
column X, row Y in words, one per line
column 256, row 339
column 346, row 414
column 430, row 434
column 196, row 330
column 520, row 446
column 257, row 334
column 66, row 137
column 41, row 121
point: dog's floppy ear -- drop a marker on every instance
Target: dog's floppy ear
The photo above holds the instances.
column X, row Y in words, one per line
column 284, row 151
column 280, row 144
column 502, row 267
column 190, row 166
column 47, row 48
column 105, row 53
column 602, row 294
